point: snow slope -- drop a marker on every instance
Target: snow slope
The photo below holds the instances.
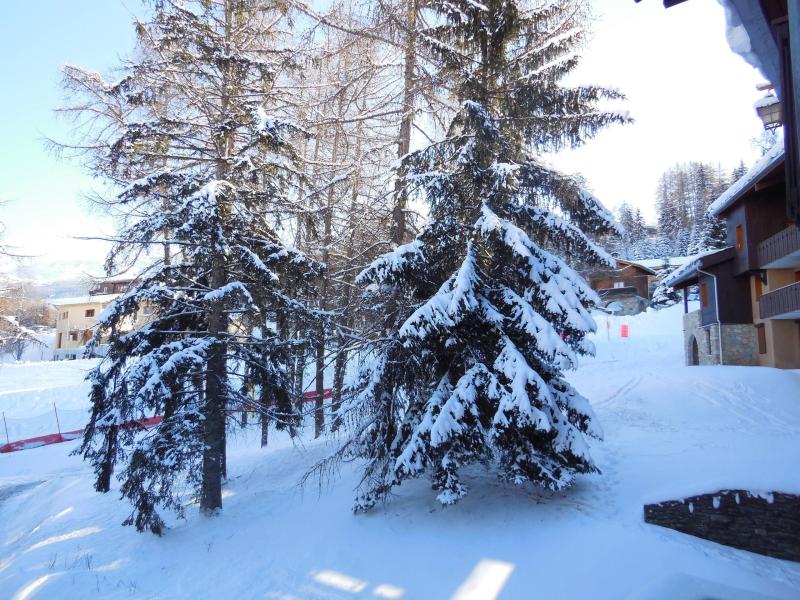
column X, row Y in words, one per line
column 670, row 430
column 28, row 391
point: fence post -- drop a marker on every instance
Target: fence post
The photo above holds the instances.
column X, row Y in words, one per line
column 55, row 410
column 5, row 425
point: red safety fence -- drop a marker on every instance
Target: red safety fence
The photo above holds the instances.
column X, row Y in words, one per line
column 311, row 396
column 67, row 436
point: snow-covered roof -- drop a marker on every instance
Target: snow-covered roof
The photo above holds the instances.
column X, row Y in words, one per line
column 121, row 278
column 667, row 261
column 96, row 299
column 636, row 263
column 691, row 269
column 765, row 164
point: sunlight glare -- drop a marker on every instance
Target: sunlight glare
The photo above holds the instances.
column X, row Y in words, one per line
column 486, row 581
column 34, row 585
column 49, row 520
column 62, row 538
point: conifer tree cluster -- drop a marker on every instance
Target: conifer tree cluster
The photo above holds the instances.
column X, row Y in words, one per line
column 684, row 227
column 684, row 194
column 261, row 157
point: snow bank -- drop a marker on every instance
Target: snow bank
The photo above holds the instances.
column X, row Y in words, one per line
column 29, row 391
column 670, row 430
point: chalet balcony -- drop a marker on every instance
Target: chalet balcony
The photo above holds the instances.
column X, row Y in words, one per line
column 780, row 251
column 783, row 303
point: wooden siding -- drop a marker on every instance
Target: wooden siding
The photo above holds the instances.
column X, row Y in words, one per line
column 734, row 296
column 775, row 247
column 780, row 302
column 708, row 311
column 640, row 282
column 761, row 215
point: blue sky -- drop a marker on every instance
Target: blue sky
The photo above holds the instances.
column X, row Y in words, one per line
column 690, row 95
column 43, row 196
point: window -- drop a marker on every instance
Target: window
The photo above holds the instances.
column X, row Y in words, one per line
column 703, row 294
column 89, row 312
column 619, row 284
column 759, row 287
column 73, row 336
column 708, row 341
column 762, row 338
column 739, row 238
column 65, row 314
column 58, row 340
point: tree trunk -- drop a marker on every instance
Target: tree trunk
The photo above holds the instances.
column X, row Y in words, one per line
column 340, row 363
column 264, row 402
column 103, row 483
column 214, row 463
column 319, row 402
column 299, row 375
column 214, row 406
column 398, row 233
column 338, row 383
column 319, row 414
column 264, row 430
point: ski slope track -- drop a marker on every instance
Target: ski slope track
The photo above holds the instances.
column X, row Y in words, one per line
column 670, row 431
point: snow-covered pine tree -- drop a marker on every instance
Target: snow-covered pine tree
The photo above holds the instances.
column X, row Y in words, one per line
column 490, row 313
column 197, row 134
column 664, row 295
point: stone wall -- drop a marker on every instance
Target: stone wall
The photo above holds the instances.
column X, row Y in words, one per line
column 764, row 523
column 739, row 344
column 706, row 338
column 631, row 303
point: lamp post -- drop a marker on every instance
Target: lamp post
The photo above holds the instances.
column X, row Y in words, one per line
column 769, row 111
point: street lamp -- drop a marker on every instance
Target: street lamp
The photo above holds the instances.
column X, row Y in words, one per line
column 769, row 111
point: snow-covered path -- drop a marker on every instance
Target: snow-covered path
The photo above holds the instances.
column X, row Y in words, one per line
column 670, row 431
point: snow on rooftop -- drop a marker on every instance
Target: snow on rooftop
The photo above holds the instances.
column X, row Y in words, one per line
column 688, row 268
column 95, row 299
column 667, row 261
column 736, row 34
column 746, row 181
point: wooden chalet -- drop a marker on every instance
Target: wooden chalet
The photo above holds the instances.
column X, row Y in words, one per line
column 629, row 284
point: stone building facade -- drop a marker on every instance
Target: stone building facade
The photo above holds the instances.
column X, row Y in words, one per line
column 702, row 343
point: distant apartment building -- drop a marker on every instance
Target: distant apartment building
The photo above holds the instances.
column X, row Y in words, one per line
column 77, row 318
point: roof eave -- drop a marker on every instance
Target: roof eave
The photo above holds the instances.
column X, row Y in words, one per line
column 752, row 180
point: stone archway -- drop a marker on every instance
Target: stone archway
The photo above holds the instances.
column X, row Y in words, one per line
column 694, row 352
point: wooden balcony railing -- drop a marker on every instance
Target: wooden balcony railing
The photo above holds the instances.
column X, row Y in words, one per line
column 783, row 303
column 778, row 246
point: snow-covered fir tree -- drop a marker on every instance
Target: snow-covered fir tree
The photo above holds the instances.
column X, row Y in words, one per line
column 664, row 295
column 196, row 134
column 483, row 312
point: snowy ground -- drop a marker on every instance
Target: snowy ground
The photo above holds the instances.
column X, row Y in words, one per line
column 670, row 431
column 32, row 393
